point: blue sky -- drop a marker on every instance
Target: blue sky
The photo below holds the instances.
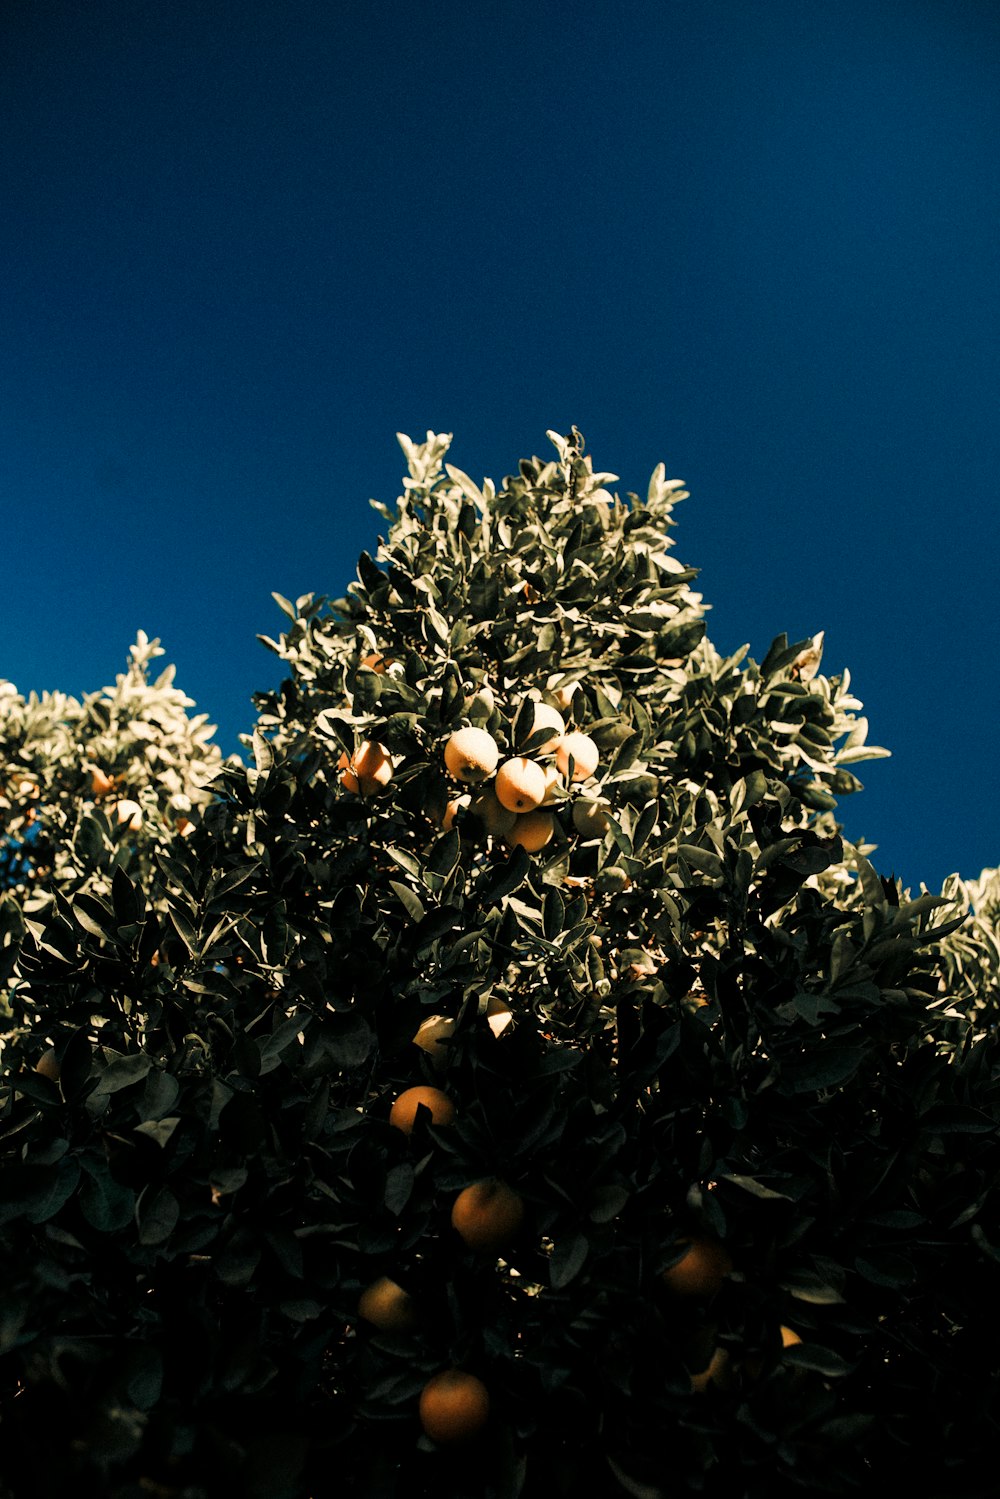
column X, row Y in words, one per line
column 245, row 242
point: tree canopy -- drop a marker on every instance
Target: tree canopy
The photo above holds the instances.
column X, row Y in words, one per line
column 512, row 1075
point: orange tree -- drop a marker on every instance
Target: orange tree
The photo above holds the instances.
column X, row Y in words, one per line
column 439, row 1118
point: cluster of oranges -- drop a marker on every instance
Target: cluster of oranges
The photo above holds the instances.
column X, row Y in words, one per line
column 516, row 806
column 486, row 1215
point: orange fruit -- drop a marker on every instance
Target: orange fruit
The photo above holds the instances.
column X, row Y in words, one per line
column 129, row 813
column 48, row 1065
column 520, row 785
column 546, row 717
column 583, row 750
column 789, row 1337
column 701, row 1269
column 375, row 661
column 496, row 819
column 470, row 755
column 387, row 1306
column 590, row 818
column 452, row 809
column 100, row 782
column 487, row 1214
column 532, row 831
column 454, row 1406
column 403, row 1113
column 367, row 770
column 431, row 1033
column 716, row 1371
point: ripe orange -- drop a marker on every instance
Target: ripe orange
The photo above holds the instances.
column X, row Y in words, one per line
column 367, row 770
column 496, row 819
column 386, row 1305
column 701, row 1269
column 48, row 1065
column 452, row 809
column 547, row 717
column 129, row 813
column 487, row 1214
column 583, row 750
column 532, row 831
column 376, row 662
column 590, row 818
column 100, row 782
column 431, row 1033
column 403, row 1113
column 789, row 1337
column 470, row 755
column 520, row 785
column 716, row 1372
column 454, row 1406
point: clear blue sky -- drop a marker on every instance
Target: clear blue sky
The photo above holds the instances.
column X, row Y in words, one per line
column 246, row 241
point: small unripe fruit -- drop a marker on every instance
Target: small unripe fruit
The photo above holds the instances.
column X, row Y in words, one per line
column 488, row 1214
column 454, row 1406
column 532, row 831
column 403, row 1114
column 583, row 751
column 367, row 770
column 471, row 755
column 520, row 784
column 387, row 1306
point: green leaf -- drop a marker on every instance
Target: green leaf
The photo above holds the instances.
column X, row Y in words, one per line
column 106, row 1204
column 156, row 1214
column 568, row 1259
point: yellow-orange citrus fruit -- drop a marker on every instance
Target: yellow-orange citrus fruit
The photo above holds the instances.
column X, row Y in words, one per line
column 375, row 661
column 520, row 784
column 553, row 785
column 47, row 1065
column 454, row 1405
column 403, row 1113
column 488, row 1214
column 367, row 770
column 452, row 809
column 471, row 755
column 496, row 819
column 386, row 1305
column 129, row 813
column 547, row 717
column 701, row 1269
column 789, row 1337
column 100, row 782
column 715, row 1372
column 431, row 1033
column 563, row 694
column 590, row 818
column 584, row 753
column 532, row 831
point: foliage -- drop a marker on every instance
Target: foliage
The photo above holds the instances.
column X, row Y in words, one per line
column 90, row 786
column 695, row 1012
